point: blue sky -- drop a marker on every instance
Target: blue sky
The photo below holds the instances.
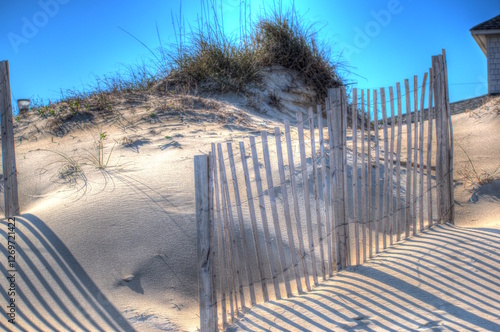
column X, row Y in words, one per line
column 63, row 44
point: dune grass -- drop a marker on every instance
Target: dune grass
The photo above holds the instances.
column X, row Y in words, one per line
column 471, row 175
column 206, row 57
column 229, row 64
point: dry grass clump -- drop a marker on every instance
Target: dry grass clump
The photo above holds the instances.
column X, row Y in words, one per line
column 282, row 39
column 213, row 59
column 216, row 61
column 474, row 177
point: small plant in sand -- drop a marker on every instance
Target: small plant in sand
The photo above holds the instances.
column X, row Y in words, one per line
column 74, row 106
column 474, row 177
column 44, row 111
column 41, row 112
column 98, row 157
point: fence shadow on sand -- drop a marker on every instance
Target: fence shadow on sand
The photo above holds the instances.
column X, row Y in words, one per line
column 446, row 278
column 53, row 291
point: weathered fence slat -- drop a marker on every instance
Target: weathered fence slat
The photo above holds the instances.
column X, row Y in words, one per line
column 415, row 154
column 212, row 232
column 399, row 209
column 369, row 175
column 391, row 172
column 430, row 120
column 263, row 214
column 345, row 203
column 385, row 199
column 451, row 193
column 223, row 277
column 364, row 213
column 439, row 131
column 378, row 211
column 332, row 202
column 408, row 218
column 338, row 177
column 228, row 242
column 11, row 199
column 208, row 312
column 421, row 155
column 354, row 115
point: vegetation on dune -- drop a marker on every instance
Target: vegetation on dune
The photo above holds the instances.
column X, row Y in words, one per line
column 279, row 38
column 208, row 58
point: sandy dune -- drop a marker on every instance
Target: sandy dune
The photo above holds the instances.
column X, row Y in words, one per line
column 114, row 249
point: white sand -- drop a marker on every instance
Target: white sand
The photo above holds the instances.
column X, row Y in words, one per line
column 445, row 279
column 117, row 249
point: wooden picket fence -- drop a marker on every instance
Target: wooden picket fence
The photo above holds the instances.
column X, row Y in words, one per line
column 331, row 208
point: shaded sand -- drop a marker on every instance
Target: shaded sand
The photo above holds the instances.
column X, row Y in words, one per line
column 443, row 279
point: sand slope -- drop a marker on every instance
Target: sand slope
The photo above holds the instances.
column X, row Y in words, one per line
column 115, row 248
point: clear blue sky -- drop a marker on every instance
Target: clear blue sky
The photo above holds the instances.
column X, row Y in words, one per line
column 63, row 44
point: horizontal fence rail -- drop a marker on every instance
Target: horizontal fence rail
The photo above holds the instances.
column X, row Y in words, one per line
column 296, row 206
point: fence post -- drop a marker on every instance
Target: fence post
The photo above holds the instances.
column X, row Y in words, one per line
column 8, row 151
column 336, row 99
column 451, row 217
column 444, row 137
column 203, row 202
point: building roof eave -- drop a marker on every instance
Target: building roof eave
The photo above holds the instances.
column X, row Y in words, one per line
column 481, row 41
column 485, row 32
